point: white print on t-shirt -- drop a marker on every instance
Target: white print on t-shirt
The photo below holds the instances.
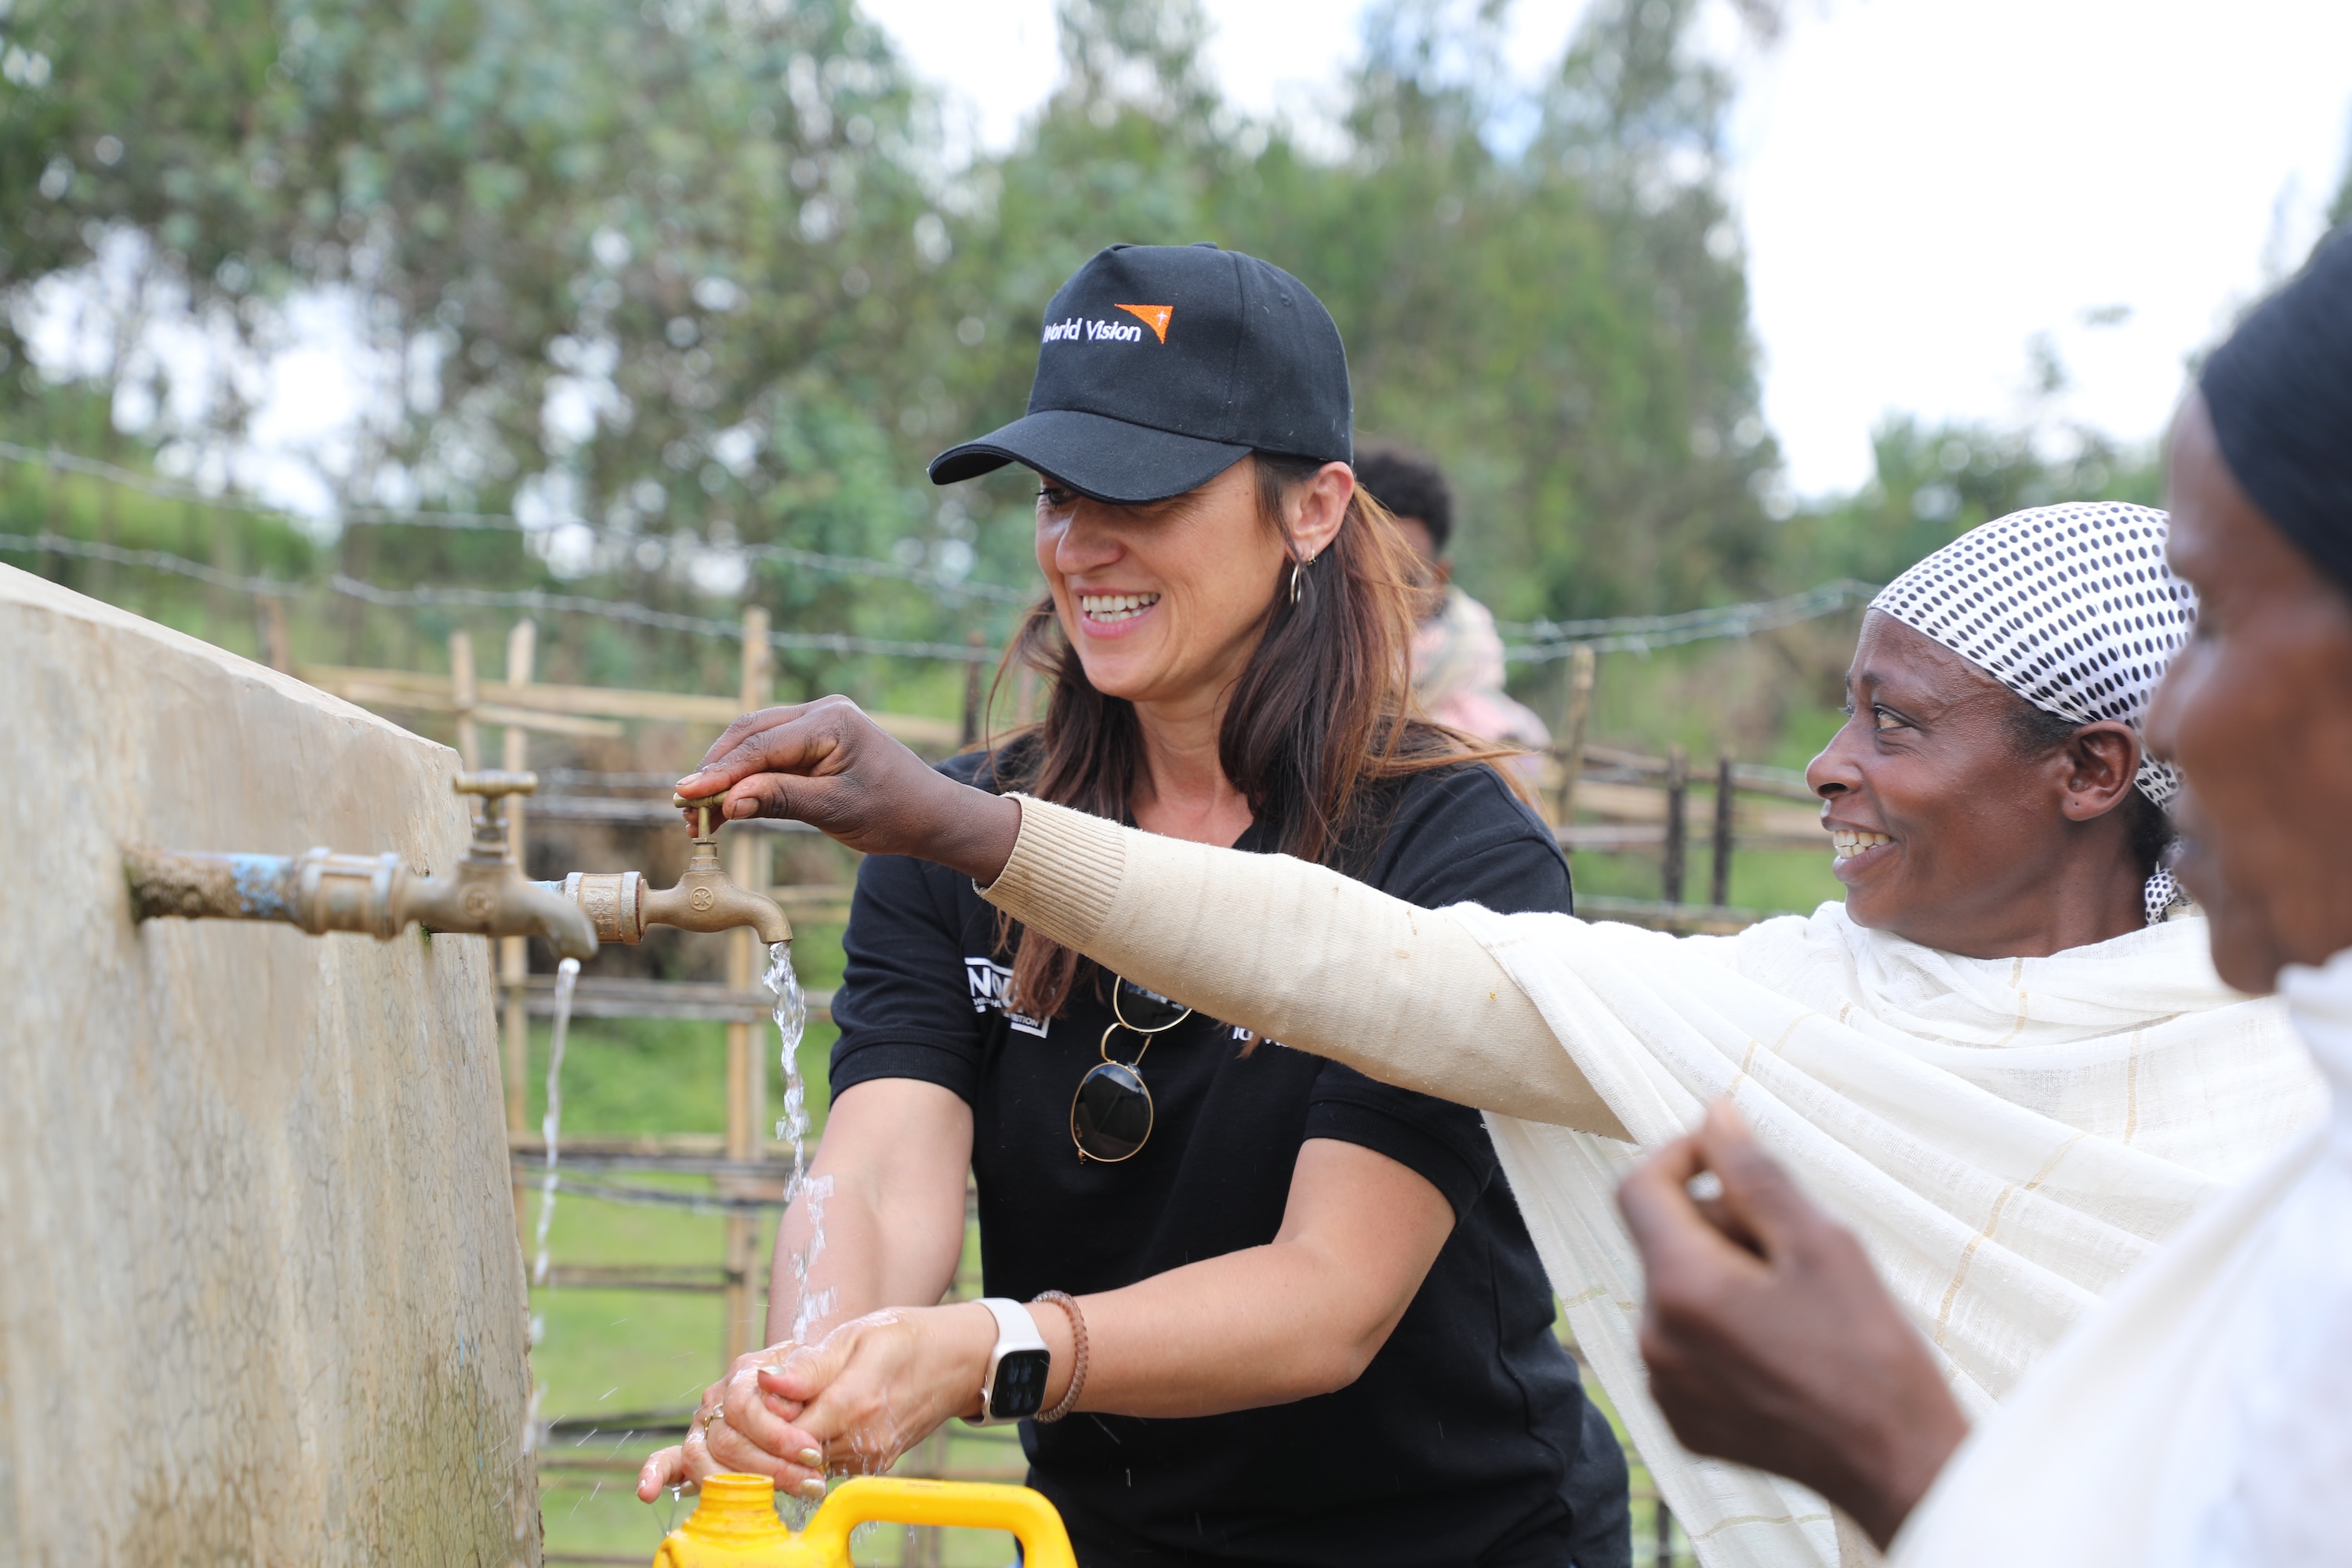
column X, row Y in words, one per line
column 991, row 988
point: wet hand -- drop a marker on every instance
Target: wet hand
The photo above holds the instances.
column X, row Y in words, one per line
column 1769, row 1337
column 829, row 765
column 740, row 1429
column 877, row 1386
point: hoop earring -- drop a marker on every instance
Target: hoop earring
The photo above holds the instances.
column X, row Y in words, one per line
column 1298, row 570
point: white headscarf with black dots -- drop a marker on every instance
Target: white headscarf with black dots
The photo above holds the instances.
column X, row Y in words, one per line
column 2070, row 606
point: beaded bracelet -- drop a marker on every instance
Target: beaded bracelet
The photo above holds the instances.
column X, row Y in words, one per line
column 1078, row 1354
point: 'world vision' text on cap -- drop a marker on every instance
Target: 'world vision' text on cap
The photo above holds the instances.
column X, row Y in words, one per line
column 1079, row 330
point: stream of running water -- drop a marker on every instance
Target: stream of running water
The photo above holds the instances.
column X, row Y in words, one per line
column 550, row 1125
column 550, row 1128
column 791, row 1023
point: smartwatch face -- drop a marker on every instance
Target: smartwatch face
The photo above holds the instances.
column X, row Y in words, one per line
column 1020, row 1387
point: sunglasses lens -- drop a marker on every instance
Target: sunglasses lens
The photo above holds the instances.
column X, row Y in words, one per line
column 1147, row 1010
column 1112, row 1114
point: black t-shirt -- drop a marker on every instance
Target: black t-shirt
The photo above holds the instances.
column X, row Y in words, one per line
column 1467, row 1439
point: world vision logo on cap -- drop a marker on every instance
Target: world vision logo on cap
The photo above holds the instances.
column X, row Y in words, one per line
column 1153, row 316
column 1080, row 329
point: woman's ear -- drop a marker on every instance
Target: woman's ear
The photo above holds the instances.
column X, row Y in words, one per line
column 2103, row 762
column 1319, row 506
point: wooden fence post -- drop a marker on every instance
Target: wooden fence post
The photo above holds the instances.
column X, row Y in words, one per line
column 1576, row 716
column 747, row 1069
column 972, row 717
column 1677, row 823
column 463, row 692
column 277, row 646
column 514, row 951
column 1719, row 881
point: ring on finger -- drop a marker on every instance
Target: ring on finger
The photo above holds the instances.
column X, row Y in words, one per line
column 710, row 1419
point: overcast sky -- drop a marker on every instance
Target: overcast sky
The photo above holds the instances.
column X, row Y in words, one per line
column 1925, row 185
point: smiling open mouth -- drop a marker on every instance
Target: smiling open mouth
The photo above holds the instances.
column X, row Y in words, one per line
column 1115, row 606
column 1846, row 843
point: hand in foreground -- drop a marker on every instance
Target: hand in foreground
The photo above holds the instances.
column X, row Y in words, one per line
column 849, row 1404
column 877, row 1386
column 829, row 765
column 739, row 1428
column 1769, row 1339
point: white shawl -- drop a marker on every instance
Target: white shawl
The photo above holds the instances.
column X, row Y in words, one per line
column 2202, row 1417
column 2008, row 1137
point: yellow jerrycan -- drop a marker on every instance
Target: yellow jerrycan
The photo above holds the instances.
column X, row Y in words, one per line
column 734, row 1525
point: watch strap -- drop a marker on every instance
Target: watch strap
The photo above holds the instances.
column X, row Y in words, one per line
column 1016, row 1330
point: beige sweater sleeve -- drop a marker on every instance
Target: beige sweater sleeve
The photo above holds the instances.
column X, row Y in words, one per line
column 1301, row 955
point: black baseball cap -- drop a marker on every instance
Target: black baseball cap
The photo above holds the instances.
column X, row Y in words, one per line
column 1161, row 366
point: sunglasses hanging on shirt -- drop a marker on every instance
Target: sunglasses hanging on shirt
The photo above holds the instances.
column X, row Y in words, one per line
column 1111, row 1116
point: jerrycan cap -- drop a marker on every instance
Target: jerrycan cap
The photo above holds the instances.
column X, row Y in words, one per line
column 735, row 1515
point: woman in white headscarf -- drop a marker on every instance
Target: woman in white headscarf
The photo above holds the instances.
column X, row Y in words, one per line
column 2004, row 1060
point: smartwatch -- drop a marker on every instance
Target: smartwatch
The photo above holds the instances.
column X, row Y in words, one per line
column 1014, row 1386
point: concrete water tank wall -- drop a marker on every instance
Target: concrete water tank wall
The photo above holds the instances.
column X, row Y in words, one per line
column 262, row 1298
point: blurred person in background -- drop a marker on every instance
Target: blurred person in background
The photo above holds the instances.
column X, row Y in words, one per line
column 1277, row 1312
column 1457, row 655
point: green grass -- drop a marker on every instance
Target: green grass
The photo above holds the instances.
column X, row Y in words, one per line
column 1772, row 880
column 650, row 1075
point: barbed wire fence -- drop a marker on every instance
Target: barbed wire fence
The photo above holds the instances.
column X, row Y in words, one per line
column 1548, row 640
column 59, row 461
column 1537, row 642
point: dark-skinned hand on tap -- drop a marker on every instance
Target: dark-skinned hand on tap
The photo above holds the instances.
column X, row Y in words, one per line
column 827, row 764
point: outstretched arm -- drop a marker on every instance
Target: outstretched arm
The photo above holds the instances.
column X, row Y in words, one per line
column 1296, row 951
column 1301, row 955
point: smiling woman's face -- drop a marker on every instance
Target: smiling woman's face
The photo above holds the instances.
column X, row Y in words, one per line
column 1163, row 603
column 1947, row 832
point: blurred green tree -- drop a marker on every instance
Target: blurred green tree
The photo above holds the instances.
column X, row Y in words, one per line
column 699, row 272
column 655, row 270
column 1933, row 482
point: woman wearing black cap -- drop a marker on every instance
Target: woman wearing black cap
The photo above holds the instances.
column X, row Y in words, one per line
column 1277, row 1312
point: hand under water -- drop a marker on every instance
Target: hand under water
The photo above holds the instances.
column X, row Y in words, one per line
column 851, row 1404
column 829, row 765
column 1769, row 1337
column 756, row 1438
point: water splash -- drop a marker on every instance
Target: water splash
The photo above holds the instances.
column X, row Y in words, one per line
column 791, row 1023
column 815, row 1306
column 550, row 1125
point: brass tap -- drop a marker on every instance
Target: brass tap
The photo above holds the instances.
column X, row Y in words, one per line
column 487, row 893
column 319, row 890
column 621, row 906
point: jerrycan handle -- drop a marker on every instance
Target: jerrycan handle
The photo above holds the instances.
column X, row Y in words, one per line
column 971, row 1505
